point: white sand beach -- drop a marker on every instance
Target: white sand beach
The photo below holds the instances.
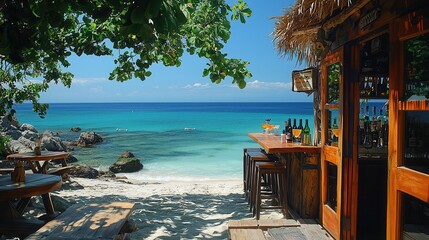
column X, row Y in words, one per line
column 169, row 210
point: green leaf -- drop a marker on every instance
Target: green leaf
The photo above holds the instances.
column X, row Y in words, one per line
column 153, row 8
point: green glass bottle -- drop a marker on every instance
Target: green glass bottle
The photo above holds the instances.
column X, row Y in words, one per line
column 306, row 134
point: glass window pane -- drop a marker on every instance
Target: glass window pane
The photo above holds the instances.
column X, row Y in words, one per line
column 332, row 186
column 417, row 68
column 415, row 218
column 417, row 140
column 334, row 83
column 333, row 128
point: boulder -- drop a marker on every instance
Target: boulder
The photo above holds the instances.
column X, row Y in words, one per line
column 52, row 143
column 88, row 139
column 14, row 133
column 28, row 127
column 83, row 171
column 127, row 154
column 7, row 122
column 60, row 204
column 126, row 165
column 30, row 135
column 75, row 129
column 69, row 159
column 21, row 145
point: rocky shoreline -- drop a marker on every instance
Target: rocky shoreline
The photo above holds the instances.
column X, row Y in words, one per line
column 20, row 138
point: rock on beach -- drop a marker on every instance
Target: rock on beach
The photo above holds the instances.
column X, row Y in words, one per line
column 88, row 139
column 126, row 163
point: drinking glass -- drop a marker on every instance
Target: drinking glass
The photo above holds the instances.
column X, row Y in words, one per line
column 296, row 132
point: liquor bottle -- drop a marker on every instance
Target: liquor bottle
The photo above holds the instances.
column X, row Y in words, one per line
column 289, row 131
column 299, row 138
column 380, row 120
column 367, row 139
column 374, row 130
column 294, row 127
column 306, row 136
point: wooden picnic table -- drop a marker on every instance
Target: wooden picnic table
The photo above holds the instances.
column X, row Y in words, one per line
column 11, row 219
column 34, row 160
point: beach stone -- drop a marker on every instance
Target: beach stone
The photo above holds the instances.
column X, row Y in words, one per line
column 75, row 129
column 28, row 127
column 106, row 174
column 28, row 134
column 126, row 165
column 126, row 154
column 83, row 171
column 89, row 138
column 52, row 143
column 14, row 133
column 21, row 145
column 60, row 204
column 69, row 159
column 7, row 123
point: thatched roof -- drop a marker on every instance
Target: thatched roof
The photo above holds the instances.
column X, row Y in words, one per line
column 296, row 31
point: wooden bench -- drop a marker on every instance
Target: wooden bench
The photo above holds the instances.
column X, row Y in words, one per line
column 60, row 171
column 91, row 221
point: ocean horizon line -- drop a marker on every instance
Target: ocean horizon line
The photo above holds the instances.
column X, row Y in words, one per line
column 171, row 102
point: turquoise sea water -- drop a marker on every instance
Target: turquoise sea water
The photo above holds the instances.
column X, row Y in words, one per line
column 175, row 141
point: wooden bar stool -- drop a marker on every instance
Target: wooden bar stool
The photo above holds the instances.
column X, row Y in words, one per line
column 252, row 158
column 246, row 164
column 274, row 174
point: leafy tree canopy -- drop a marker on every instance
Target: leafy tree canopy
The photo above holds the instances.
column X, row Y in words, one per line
column 37, row 37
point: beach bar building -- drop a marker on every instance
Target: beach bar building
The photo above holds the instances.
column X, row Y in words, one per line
column 367, row 55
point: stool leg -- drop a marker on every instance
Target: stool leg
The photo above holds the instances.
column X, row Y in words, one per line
column 257, row 208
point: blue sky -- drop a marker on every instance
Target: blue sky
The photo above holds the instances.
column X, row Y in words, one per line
column 271, row 81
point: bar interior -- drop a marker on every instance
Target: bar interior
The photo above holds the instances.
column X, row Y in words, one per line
column 363, row 173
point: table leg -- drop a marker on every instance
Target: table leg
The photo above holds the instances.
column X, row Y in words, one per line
column 32, row 166
column 47, row 201
column 44, row 167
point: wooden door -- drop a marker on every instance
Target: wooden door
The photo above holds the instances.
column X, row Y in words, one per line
column 408, row 166
column 331, row 157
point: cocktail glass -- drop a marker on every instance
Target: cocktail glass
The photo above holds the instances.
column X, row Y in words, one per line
column 296, row 133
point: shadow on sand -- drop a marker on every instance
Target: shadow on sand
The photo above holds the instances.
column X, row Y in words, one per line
column 189, row 216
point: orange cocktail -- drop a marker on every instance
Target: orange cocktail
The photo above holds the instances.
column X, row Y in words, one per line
column 336, row 132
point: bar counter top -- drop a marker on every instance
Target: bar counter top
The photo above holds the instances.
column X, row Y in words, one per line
column 272, row 144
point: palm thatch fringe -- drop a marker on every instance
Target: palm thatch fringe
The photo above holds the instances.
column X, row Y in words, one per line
column 297, row 29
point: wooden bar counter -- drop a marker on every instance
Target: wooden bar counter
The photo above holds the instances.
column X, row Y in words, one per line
column 272, row 144
column 303, row 168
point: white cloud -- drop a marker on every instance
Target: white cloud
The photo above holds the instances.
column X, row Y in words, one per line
column 197, row 86
column 268, row 85
column 85, row 81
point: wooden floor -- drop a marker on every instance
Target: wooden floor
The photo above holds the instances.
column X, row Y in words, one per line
column 279, row 229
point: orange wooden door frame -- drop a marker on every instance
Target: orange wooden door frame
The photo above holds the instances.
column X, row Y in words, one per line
column 331, row 218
